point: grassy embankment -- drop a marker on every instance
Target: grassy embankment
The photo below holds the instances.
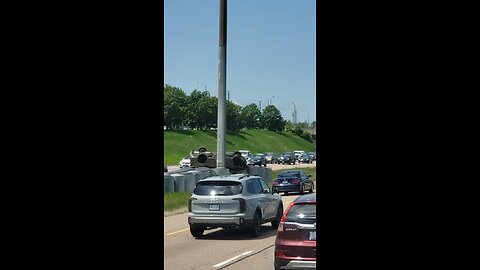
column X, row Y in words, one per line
column 178, row 144
column 177, row 202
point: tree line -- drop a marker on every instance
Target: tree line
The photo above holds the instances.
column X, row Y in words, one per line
column 199, row 111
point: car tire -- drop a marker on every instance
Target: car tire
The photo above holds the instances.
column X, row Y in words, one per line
column 256, row 228
column 276, row 222
column 285, row 193
column 311, row 189
column 196, row 231
column 302, row 190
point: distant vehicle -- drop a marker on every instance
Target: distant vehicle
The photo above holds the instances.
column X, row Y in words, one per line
column 257, row 159
column 185, row 162
column 296, row 241
column 298, row 154
column 305, row 158
column 233, row 201
column 271, row 157
column 245, row 153
column 293, row 180
column 286, row 157
column 165, row 169
column 313, row 155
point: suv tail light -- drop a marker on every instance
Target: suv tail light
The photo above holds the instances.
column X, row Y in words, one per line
column 243, row 204
column 284, row 217
column 190, row 204
column 296, row 181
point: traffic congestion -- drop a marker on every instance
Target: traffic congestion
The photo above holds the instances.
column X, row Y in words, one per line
column 244, row 217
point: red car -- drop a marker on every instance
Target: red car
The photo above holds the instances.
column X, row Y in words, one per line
column 296, row 242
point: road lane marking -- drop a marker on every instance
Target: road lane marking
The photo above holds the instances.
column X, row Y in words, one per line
column 231, row 259
column 177, row 231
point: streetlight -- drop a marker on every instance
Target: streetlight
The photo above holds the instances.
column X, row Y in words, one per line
column 294, row 115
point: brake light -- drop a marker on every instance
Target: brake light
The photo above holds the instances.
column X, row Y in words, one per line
column 190, row 204
column 296, row 181
column 243, row 204
column 284, row 217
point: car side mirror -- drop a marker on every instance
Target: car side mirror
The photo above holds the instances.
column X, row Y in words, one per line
column 274, row 190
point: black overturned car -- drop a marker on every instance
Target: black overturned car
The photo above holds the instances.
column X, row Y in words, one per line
column 286, row 158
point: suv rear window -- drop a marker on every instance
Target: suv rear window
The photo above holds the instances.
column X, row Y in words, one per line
column 218, row 188
column 302, row 213
column 289, row 174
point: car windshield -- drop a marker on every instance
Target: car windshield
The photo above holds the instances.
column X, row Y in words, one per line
column 257, row 156
column 218, row 188
column 289, row 174
column 286, row 154
column 302, row 213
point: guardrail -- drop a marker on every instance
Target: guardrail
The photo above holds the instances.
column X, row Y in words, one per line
column 185, row 179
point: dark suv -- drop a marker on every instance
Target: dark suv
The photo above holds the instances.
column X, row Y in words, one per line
column 233, row 201
column 286, row 157
column 296, row 242
column 258, row 159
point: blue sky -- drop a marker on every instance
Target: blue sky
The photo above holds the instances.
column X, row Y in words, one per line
column 271, row 51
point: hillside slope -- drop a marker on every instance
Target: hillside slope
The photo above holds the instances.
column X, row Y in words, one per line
column 178, row 144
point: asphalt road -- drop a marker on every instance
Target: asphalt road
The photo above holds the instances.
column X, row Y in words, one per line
column 218, row 248
column 273, row 166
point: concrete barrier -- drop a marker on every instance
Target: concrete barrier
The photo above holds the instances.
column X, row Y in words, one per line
column 268, row 175
column 179, row 182
column 252, row 170
column 168, row 183
column 221, row 171
column 189, row 182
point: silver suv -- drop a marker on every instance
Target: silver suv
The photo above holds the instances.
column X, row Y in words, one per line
column 233, row 201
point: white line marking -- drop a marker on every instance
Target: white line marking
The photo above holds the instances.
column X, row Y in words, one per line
column 234, row 258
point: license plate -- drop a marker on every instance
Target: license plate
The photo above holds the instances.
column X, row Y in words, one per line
column 214, row 207
column 285, row 182
column 313, row 236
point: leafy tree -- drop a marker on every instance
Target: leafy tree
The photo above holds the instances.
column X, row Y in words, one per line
column 313, row 124
column 272, row 119
column 234, row 119
column 250, row 116
column 200, row 110
column 173, row 106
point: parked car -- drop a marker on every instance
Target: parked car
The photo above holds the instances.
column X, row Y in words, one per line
column 258, row 159
column 245, row 153
column 313, row 155
column 165, row 169
column 185, row 162
column 305, row 158
column 286, row 157
column 293, row 180
column 295, row 244
column 271, row 157
column 233, row 201
column 298, row 154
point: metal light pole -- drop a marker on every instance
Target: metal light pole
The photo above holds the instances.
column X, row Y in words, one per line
column 222, row 86
column 294, row 115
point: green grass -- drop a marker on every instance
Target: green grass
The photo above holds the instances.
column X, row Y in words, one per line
column 178, row 144
column 177, row 200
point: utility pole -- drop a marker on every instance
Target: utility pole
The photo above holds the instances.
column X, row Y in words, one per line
column 294, row 115
column 228, row 95
column 222, row 86
column 260, row 104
